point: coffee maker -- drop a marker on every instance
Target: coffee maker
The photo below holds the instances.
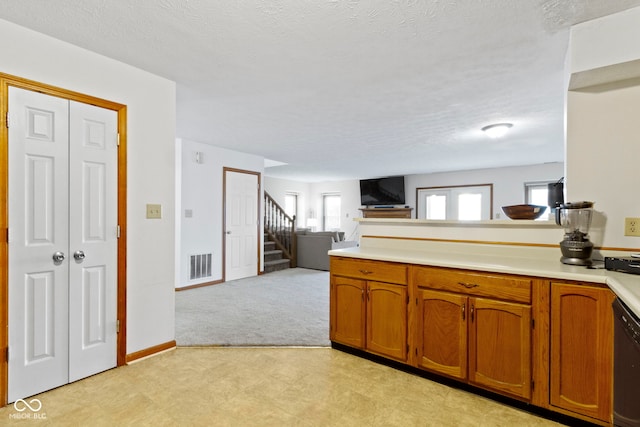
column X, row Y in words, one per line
column 575, row 217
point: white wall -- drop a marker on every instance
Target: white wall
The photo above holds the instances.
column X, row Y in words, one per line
column 508, row 189
column 201, row 192
column 310, row 201
column 508, row 183
column 602, row 42
column 277, row 188
column 603, row 127
column 151, row 112
column 349, row 204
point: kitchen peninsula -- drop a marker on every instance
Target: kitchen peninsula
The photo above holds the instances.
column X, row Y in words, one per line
column 485, row 303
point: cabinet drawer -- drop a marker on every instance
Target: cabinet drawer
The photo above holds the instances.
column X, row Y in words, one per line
column 369, row 270
column 510, row 288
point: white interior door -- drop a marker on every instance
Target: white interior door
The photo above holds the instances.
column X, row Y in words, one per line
column 62, row 199
column 38, row 229
column 93, row 251
column 241, row 222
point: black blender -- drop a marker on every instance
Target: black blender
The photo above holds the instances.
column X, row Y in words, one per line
column 575, row 217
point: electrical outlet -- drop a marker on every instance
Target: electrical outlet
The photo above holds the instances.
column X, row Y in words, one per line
column 632, row 227
column 154, row 211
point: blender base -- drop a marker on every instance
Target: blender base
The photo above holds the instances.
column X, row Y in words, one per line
column 576, row 261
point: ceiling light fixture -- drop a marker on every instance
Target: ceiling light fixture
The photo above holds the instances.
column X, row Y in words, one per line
column 497, row 130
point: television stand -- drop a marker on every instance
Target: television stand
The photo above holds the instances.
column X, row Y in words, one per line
column 386, row 212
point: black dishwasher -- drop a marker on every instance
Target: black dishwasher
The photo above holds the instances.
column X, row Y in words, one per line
column 626, row 367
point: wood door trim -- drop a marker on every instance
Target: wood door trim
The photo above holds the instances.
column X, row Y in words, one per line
column 7, row 81
column 226, row 169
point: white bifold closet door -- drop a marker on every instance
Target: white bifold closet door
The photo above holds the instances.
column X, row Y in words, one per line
column 62, row 241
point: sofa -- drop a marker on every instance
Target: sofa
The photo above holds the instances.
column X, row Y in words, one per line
column 313, row 247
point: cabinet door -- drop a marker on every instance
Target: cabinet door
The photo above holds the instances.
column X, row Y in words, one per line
column 582, row 349
column 347, row 313
column 500, row 346
column 442, row 333
column 387, row 319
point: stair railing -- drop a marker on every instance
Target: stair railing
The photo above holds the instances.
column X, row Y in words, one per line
column 280, row 228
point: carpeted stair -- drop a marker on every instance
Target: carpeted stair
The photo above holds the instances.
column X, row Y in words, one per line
column 273, row 260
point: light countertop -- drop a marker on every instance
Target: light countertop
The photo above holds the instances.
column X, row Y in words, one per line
column 625, row 286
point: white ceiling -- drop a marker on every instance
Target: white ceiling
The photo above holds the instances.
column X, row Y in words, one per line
column 345, row 89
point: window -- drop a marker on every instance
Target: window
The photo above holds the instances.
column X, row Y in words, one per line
column 291, row 204
column 470, row 206
column 465, row 203
column 537, row 193
column 436, row 206
column 331, row 212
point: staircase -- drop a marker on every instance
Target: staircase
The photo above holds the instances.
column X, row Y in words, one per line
column 273, row 260
column 279, row 237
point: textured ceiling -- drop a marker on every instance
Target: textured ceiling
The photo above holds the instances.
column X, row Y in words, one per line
column 345, row 89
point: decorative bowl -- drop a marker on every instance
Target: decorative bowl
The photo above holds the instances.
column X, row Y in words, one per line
column 524, row 211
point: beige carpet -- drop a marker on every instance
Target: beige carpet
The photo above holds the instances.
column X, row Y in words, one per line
column 283, row 308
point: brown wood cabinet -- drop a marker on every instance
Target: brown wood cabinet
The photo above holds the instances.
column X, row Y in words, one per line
column 486, row 342
column 582, row 350
column 546, row 342
column 366, row 312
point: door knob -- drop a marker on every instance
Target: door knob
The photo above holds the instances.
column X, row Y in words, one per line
column 58, row 257
column 78, row 255
column 228, row 232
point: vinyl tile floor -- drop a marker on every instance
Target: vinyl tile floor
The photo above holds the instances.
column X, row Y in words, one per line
column 236, row 386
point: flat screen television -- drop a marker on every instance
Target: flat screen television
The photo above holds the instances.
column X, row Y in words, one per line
column 387, row 191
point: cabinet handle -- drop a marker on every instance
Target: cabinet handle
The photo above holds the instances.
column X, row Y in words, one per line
column 368, row 290
column 463, row 308
column 362, row 293
column 468, row 285
column 472, row 310
column 365, row 272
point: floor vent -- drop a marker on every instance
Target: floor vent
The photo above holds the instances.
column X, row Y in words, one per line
column 200, row 266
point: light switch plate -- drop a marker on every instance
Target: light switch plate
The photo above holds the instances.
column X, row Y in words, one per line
column 154, row 211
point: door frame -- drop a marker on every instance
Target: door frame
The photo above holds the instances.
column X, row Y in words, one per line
column 224, row 216
column 6, row 81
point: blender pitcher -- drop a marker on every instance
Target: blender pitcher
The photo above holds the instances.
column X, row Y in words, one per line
column 575, row 217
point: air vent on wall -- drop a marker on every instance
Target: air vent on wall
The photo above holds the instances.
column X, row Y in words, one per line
column 200, row 266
